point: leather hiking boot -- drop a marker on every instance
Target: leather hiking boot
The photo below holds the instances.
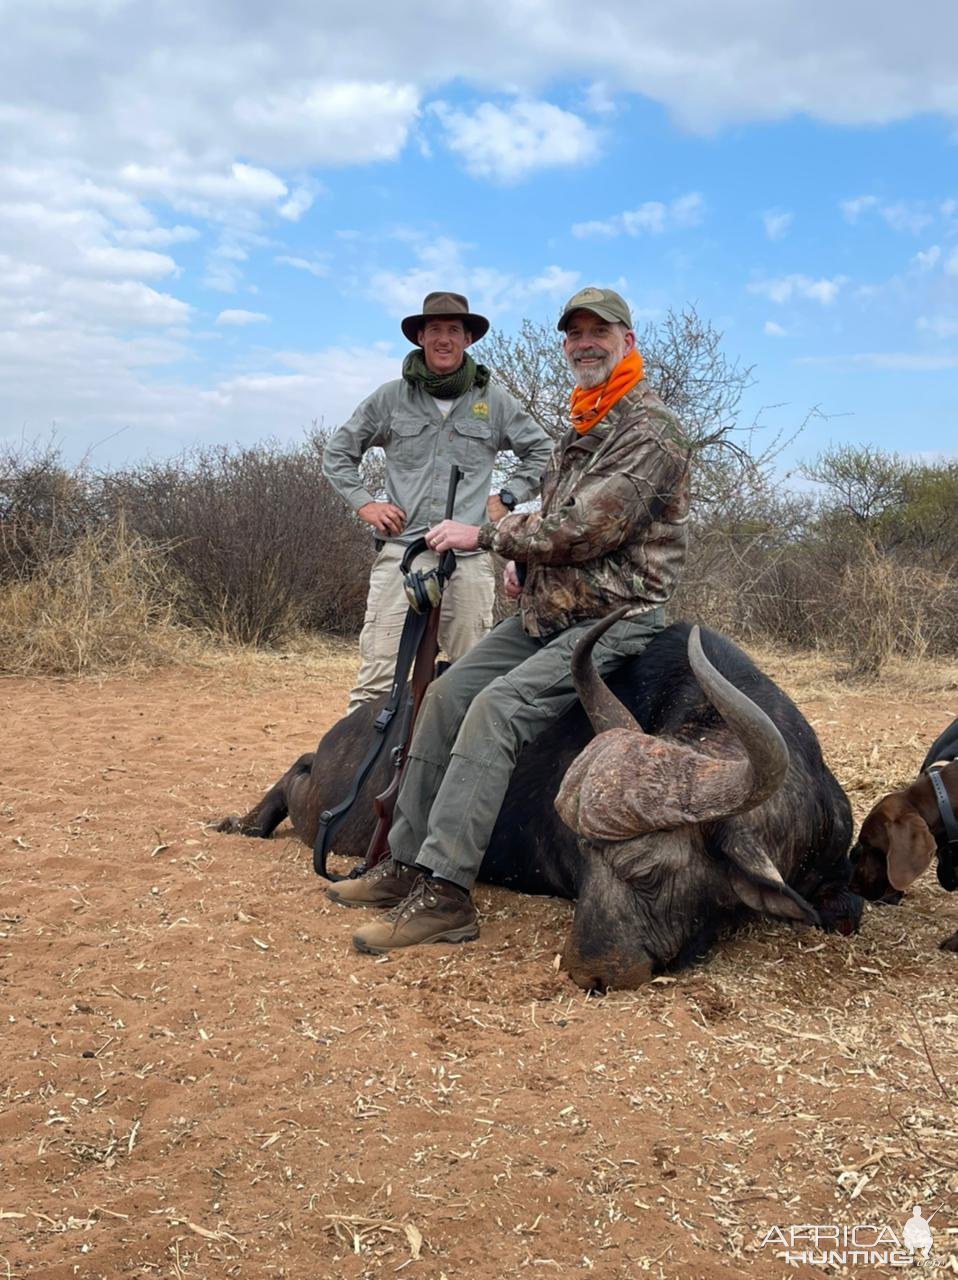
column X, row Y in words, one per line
column 386, row 885
column 433, row 912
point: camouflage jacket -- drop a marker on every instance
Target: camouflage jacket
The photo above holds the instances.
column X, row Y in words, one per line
column 612, row 528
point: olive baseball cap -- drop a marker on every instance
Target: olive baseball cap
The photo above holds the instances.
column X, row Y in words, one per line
column 605, row 303
column 445, row 306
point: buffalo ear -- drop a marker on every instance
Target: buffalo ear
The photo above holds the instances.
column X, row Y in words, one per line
column 757, row 881
column 771, row 899
column 911, row 847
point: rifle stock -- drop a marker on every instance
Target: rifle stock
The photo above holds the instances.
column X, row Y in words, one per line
column 423, row 674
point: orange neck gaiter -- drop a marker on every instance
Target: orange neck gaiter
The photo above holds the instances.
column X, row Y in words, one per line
column 590, row 407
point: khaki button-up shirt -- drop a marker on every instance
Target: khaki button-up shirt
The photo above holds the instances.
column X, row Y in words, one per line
column 421, row 447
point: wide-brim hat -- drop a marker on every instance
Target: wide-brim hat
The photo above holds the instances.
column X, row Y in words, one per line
column 445, row 306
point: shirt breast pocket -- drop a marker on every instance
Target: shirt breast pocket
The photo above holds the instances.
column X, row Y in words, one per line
column 471, row 443
column 411, row 443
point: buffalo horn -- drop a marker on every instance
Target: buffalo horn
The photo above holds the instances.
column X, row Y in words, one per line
column 763, row 744
column 601, row 705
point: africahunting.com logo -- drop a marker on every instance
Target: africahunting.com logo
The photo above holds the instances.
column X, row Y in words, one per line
column 832, row 1244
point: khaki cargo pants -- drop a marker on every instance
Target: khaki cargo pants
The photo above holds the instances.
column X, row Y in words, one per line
column 474, row 721
column 466, row 615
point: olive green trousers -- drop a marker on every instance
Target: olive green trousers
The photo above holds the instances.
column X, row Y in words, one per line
column 474, row 721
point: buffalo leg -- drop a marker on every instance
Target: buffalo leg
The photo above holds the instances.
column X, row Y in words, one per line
column 263, row 819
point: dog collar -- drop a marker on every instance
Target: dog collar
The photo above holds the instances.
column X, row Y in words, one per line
column 944, row 807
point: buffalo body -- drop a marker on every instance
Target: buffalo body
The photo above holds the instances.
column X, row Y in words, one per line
column 632, row 917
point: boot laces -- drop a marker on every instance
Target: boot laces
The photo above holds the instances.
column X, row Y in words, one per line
column 419, row 897
column 382, row 869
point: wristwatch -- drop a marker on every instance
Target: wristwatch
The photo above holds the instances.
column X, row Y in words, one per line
column 508, row 499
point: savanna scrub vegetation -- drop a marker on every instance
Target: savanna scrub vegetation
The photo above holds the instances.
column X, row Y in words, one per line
column 129, row 568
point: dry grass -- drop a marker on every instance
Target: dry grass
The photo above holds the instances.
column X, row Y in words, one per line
column 107, row 605
column 888, row 611
column 805, row 672
column 316, row 658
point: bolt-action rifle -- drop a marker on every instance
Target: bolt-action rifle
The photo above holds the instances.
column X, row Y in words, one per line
column 424, row 593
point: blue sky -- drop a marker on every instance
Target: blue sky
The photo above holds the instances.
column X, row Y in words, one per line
column 212, row 221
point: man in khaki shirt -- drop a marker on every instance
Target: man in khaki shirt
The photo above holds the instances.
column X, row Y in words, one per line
column 443, row 411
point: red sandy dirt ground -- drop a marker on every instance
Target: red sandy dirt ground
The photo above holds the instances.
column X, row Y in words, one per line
column 201, row 1079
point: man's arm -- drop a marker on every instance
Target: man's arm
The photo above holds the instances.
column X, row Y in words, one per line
column 638, row 482
column 342, row 455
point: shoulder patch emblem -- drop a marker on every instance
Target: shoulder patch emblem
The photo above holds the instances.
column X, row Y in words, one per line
column 480, row 409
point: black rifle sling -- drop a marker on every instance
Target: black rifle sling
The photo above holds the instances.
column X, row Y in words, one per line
column 412, row 633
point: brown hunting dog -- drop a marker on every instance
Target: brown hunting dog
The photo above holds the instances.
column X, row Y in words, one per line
column 906, row 829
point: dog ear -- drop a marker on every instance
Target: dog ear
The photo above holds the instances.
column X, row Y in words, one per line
column 911, row 847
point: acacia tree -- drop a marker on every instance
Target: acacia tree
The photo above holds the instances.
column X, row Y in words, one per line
column 905, row 508
column 861, row 482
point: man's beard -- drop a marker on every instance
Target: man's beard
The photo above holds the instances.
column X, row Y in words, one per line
column 595, row 374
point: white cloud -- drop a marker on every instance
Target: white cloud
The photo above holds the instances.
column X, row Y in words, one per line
column 330, row 85
column 96, row 388
column 124, row 263
column 51, row 303
column 900, row 215
column 905, row 216
column 651, row 218
column 300, row 202
column 787, row 288
column 156, row 236
column 187, row 186
column 322, row 387
column 926, row 259
column 773, row 330
column 852, row 210
column 328, row 122
column 223, row 269
column 60, row 267
column 315, row 267
column 777, row 223
column 598, row 99
column 241, row 318
column 225, row 261
column 939, row 326
column 507, row 144
column 951, row 263
column 126, row 303
column 491, row 291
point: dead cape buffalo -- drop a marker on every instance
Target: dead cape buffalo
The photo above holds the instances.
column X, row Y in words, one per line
column 751, row 818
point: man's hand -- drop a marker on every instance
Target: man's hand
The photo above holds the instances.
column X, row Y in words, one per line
column 495, row 507
column 510, row 581
column 385, row 517
column 451, row 535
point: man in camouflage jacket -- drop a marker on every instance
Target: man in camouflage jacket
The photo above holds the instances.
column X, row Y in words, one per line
column 611, row 531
